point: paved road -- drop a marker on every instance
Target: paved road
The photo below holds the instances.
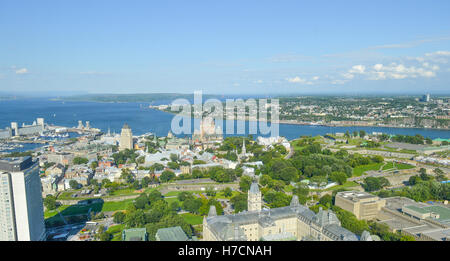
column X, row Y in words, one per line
column 290, row 154
column 194, row 181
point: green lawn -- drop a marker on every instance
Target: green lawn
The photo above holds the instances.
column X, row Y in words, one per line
column 358, row 171
column 222, row 196
column 172, row 193
column 389, row 165
column 192, row 218
column 116, row 205
column 124, row 192
column 296, row 146
column 403, row 166
column 51, row 213
column 116, row 229
column 116, row 232
column 170, row 200
column 399, row 166
column 69, row 210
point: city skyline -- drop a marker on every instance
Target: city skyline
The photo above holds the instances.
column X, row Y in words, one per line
column 226, row 48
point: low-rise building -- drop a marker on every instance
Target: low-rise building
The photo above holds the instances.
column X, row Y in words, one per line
column 171, row 234
column 135, row 234
column 363, row 205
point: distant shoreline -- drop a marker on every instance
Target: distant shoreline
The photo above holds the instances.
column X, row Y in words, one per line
column 289, row 122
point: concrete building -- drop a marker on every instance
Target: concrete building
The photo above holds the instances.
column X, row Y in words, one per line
column 425, row 222
column 37, row 127
column 363, row 205
column 21, row 206
column 426, row 98
column 126, row 138
column 437, row 213
column 62, row 158
column 6, row 133
column 293, row 222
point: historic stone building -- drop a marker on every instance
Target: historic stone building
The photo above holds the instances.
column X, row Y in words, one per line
column 126, row 138
column 208, row 134
column 293, row 222
column 254, row 198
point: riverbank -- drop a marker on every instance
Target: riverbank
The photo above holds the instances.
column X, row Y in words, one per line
column 294, row 122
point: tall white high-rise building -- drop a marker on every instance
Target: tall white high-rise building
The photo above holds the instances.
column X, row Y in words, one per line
column 21, row 206
column 126, row 138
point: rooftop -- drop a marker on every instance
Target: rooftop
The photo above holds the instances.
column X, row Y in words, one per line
column 254, row 188
column 15, row 163
column 171, row 234
column 134, row 234
column 355, row 195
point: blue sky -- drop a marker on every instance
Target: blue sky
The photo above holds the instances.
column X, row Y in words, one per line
column 225, row 47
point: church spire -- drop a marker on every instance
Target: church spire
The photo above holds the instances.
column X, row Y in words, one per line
column 254, row 198
column 212, row 211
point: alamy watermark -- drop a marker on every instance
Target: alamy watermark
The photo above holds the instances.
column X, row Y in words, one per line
column 258, row 113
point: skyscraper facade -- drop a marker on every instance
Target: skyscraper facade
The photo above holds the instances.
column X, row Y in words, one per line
column 21, row 206
column 126, row 138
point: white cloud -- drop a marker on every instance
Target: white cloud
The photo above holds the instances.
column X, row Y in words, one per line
column 400, row 71
column 378, row 67
column 358, row 69
column 348, row 76
column 302, row 80
column 438, row 53
column 259, row 81
column 21, row 71
column 436, row 57
column 296, row 80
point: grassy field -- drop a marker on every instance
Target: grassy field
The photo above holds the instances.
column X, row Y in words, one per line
column 297, row 147
column 398, row 166
column 358, row 171
column 172, row 193
column 222, row 196
column 116, row 205
column 124, row 192
column 192, row 218
column 170, row 200
column 403, row 166
column 69, row 210
column 389, row 165
column 116, row 232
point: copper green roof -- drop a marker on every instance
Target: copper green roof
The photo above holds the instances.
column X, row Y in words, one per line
column 171, row 234
column 134, row 234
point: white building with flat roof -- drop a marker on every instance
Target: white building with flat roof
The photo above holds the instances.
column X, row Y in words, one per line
column 21, row 206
